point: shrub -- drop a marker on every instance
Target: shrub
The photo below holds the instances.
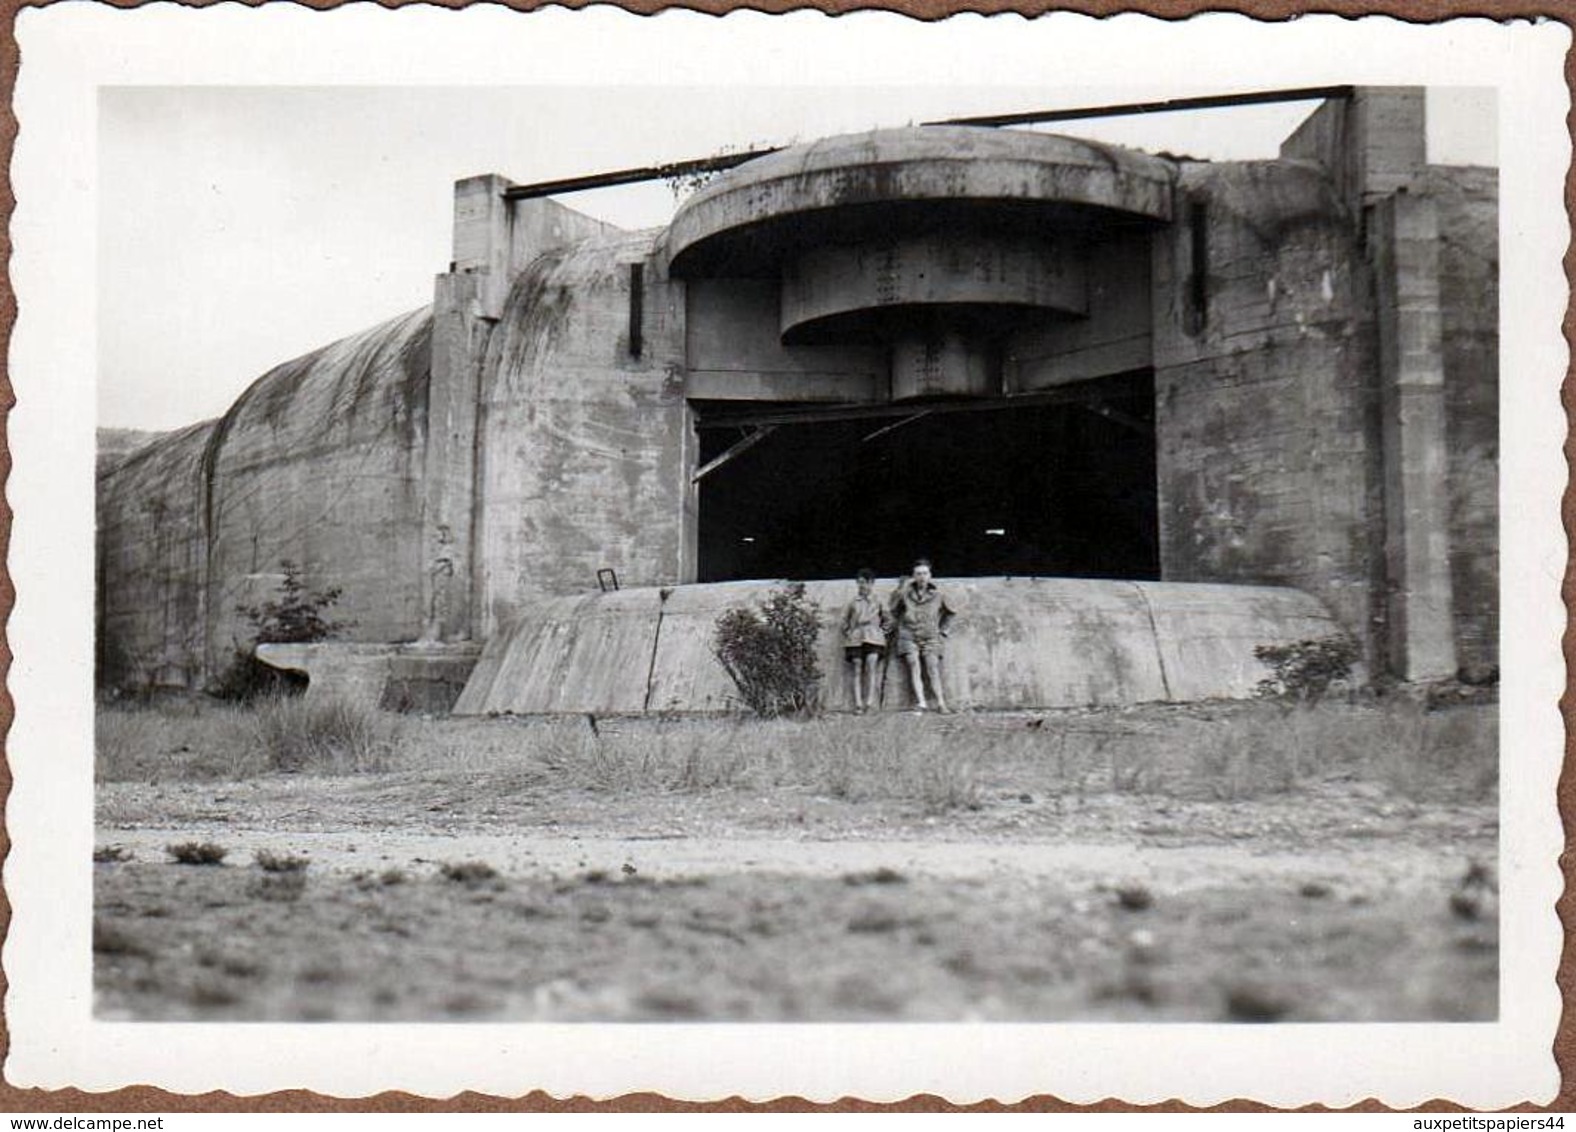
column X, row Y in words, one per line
column 296, row 615
column 770, row 652
column 197, row 853
column 1306, row 670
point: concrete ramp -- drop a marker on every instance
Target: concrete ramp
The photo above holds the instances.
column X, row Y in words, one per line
column 1017, row 643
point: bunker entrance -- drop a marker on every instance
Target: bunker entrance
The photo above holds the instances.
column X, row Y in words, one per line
column 1059, row 484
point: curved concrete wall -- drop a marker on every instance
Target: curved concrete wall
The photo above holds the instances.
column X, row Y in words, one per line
column 319, row 462
column 1017, row 643
column 152, row 565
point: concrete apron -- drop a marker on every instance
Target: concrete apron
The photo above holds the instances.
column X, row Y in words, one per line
column 1016, row 643
column 401, row 677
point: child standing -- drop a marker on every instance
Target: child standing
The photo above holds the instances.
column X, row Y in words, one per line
column 865, row 622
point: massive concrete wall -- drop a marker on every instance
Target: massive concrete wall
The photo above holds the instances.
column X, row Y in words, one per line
column 1467, row 203
column 586, row 446
column 318, row 463
column 1265, row 417
column 1017, row 643
column 152, row 563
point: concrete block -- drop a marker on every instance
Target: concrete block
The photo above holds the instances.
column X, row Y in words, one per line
column 361, row 673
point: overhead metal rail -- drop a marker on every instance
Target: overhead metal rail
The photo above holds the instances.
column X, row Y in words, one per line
column 719, row 162
column 1164, row 106
column 834, row 411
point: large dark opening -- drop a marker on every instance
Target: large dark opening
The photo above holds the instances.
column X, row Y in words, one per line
column 1037, row 487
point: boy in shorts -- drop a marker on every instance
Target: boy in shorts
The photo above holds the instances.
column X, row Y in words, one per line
column 922, row 614
column 864, row 626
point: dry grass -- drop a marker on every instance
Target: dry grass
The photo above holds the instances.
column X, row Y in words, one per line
column 1213, row 752
column 893, row 757
column 324, row 736
column 190, row 740
column 271, row 862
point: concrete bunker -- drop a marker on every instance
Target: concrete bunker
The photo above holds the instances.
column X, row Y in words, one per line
column 1233, row 380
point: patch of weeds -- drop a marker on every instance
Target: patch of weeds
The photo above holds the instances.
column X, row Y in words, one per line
column 948, row 784
column 324, row 735
column 213, row 993
column 883, row 875
column 1134, row 897
column 669, row 1002
column 242, row 968
column 320, row 974
column 1305, row 671
column 112, row 855
column 388, row 878
column 197, row 853
column 871, row 921
column 1256, row 1002
column 284, row 888
column 111, row 939
column 271, row 862
column 468, row 872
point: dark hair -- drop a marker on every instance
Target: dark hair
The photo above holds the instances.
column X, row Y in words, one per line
column 918, row 562
column 866, row 575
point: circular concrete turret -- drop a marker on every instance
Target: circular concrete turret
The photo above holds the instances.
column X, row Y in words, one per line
column 935, row 241
column 889, row 183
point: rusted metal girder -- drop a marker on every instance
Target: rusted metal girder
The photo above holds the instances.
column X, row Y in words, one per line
column 723, row 161
column 736, row 448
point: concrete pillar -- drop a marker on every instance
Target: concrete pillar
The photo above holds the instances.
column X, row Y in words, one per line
column 942, row 364
column 1404, row 250
column 459, row 335
column 1372, row 144
column 482, row 237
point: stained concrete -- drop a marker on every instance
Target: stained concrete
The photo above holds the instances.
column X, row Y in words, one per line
column 1265, row 401
column 584, row 460
column 1016, row 643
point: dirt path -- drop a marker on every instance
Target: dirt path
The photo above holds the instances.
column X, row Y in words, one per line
column 1372, row 866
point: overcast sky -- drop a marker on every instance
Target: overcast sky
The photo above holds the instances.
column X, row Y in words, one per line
column 273, row 220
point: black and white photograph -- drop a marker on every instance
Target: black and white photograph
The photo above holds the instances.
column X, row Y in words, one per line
column 673, row 537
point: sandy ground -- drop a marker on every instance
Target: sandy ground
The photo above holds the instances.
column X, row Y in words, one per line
column 1340, row 902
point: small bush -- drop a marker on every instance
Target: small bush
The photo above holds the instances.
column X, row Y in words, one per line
column 271, row 862
column 1306, row 670
column 770, row 652
column 197, row 853
column 111, row 854
column 297, row 615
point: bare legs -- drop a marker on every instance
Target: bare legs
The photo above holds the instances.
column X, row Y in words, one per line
column 923, row 667
column 933, row 672
column 872, row 679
